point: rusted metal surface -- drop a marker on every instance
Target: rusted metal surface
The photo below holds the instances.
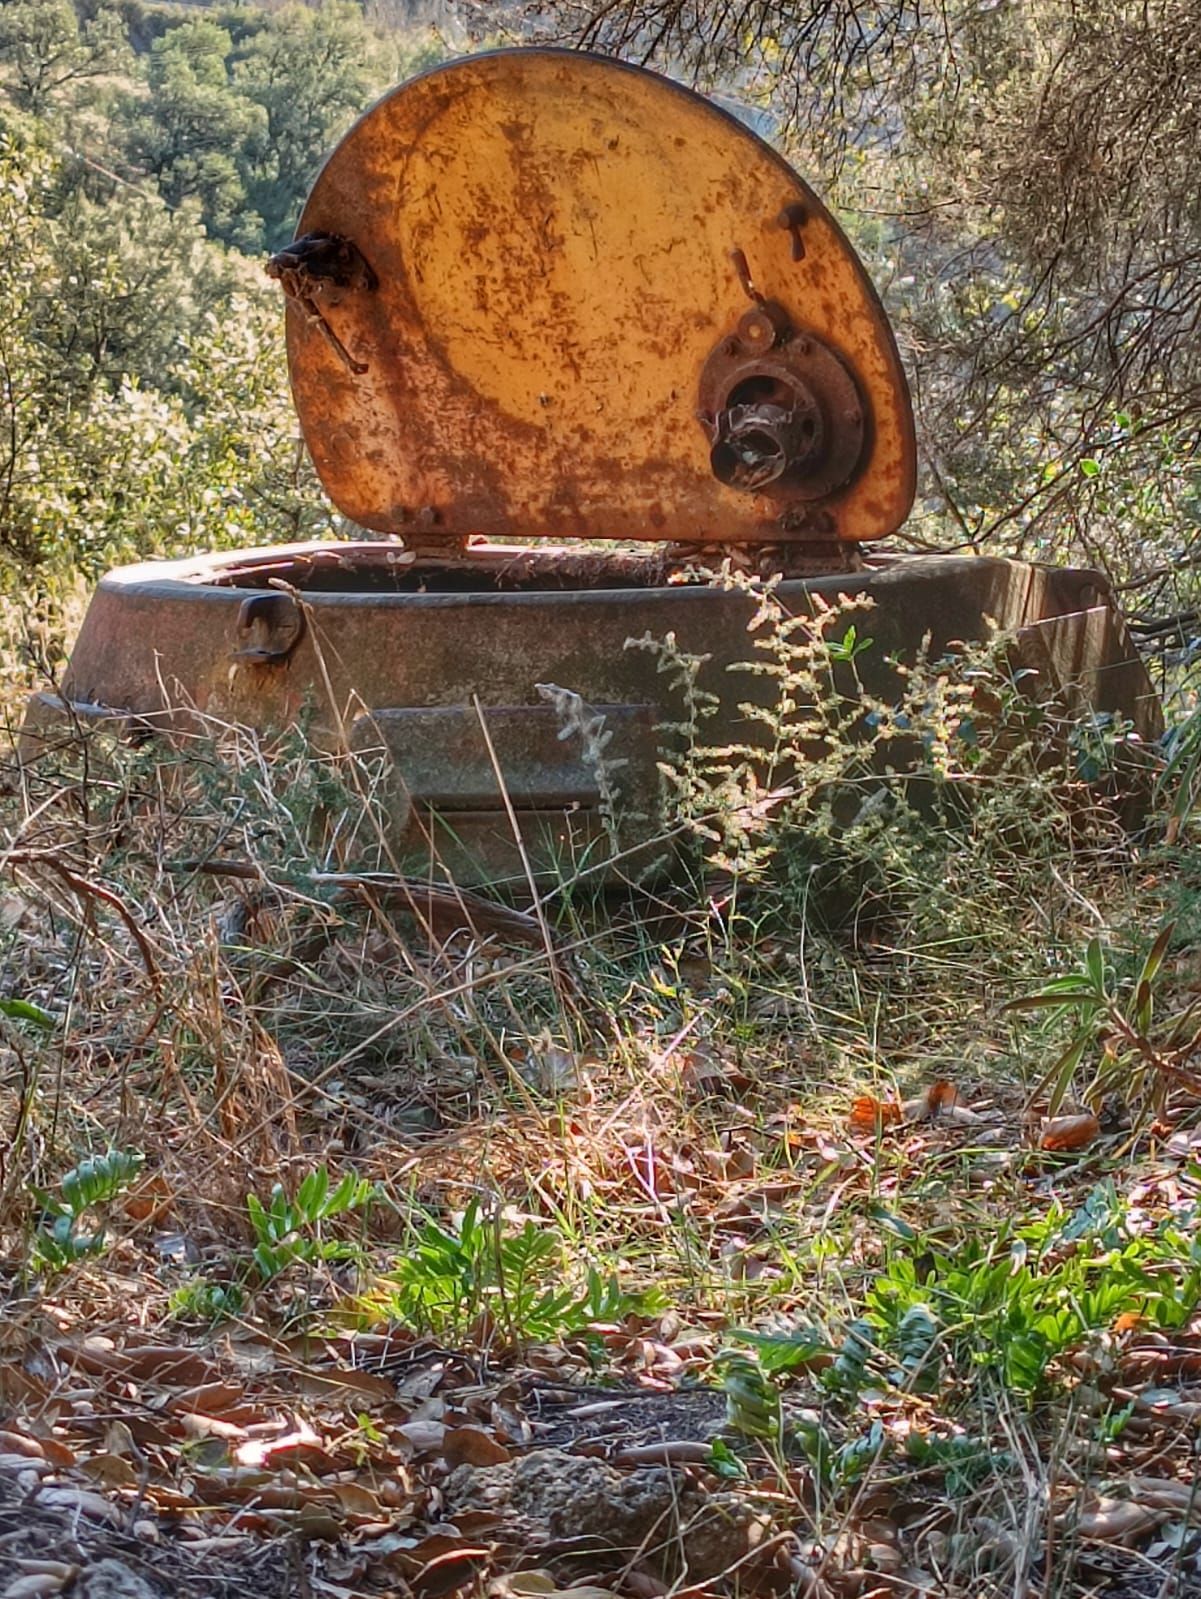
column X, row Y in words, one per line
column 557, row 252
column 319, row 270
column 166, row 643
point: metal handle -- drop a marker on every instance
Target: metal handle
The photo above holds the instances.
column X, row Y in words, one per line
column 268, row 629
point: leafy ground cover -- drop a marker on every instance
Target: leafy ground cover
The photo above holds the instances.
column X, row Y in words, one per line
column 741, row 1239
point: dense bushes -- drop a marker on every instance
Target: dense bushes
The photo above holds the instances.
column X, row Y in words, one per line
column 147, row 156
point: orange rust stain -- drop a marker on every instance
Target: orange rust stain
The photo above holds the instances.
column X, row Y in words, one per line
column 552, row 235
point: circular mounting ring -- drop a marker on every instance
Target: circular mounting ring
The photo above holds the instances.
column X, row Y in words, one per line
column 788, row 423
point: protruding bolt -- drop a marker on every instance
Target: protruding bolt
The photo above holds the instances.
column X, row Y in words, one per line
column 793, row 218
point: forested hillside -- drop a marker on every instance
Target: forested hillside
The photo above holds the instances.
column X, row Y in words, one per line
column 149, row 157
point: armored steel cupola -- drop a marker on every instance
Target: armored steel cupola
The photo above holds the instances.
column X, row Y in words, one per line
column 543, row 294
column 539, row 296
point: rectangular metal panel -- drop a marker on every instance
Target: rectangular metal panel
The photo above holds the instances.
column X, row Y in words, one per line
column 442, row 757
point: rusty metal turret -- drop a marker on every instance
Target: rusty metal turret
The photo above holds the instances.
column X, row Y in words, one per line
column 536, row 298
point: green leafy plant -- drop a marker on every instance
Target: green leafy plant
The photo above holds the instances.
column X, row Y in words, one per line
column 849, row 646
column 1114, row 1021
column 964, row 1460
column 752, row 1400
column 849, row 1371
column 288, row 1231
column 204, row 1300
column 795, row 1349
column 724, row 1463
column 1025, row 1299
column 21, row 1010
column 754, row 1411
column 447, row 1279
column 82, row 1192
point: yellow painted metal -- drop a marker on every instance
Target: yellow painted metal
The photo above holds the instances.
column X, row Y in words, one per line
column 550, row 237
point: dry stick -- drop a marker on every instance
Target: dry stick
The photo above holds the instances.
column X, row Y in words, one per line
column 526, row 867
column 85, row 889
column 479, row 915
column 314, row 633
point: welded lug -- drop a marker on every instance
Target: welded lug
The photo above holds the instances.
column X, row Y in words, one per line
column 268, row 629
column 763, row 328
column 323, row 267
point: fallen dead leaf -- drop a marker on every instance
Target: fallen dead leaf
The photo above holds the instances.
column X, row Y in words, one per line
column 16, row 1443
column 1117, row 1520
column 355, row 1389
column 1165, row 1493
column 941, row 1101
column 78, row 1501
column 358, row 1501
column 37, row 1585
column 523, row 1582
column 434, row 1560
column 423, row 1437
column 110, row 1471
column 196, row 1425
column 869, row 1115
column 210, row 1399
column 159, row 1363
column 150, row 1200
column 1063, row 1133
column 472, row 1446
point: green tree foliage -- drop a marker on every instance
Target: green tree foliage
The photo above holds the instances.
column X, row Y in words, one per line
column 192, row 132
column 310, row 73
column 233, row 107
column 49, row 53
column 143, row 402
column 144, row 405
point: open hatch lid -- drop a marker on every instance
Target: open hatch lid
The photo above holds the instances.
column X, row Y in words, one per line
column 543, row 294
